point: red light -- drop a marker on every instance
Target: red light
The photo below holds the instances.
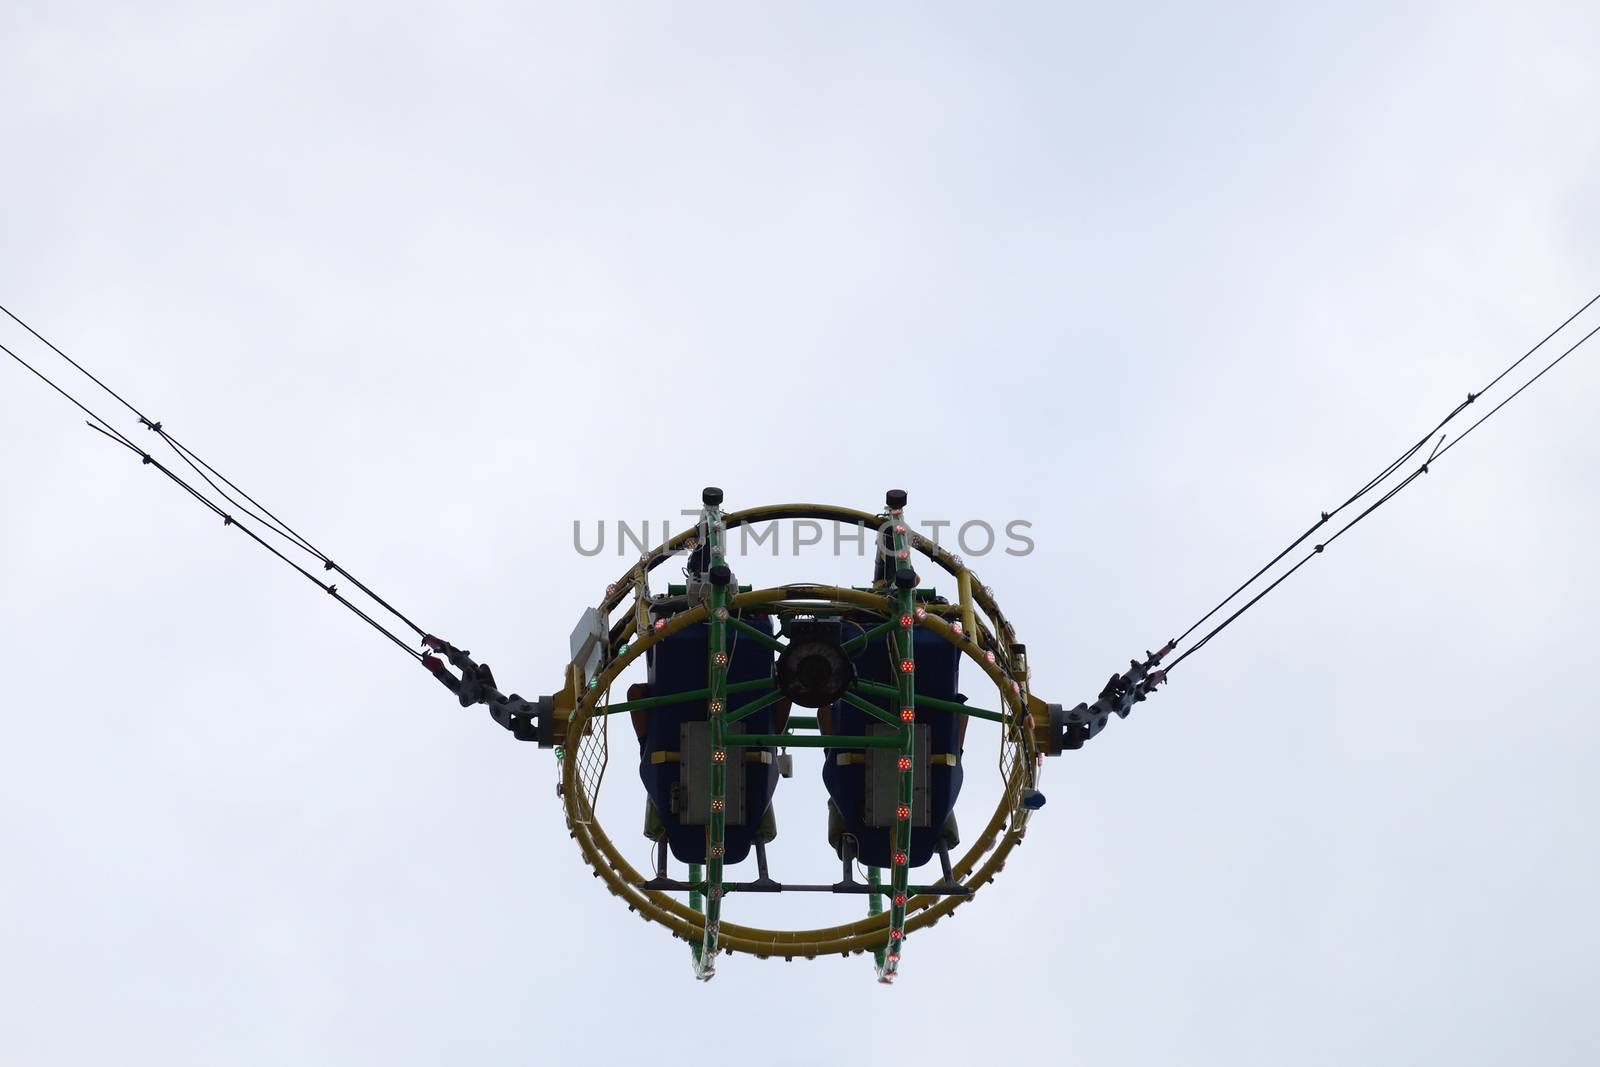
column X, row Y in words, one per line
column 894, row 935
column 902, row 554
column 902, row 812
column 989, row 656
column 899, row 859
column 722, row 659
column 921, row 611
column 905, row 621
column 908, row 715
column 661, row 624
column 905, row 763
column 893, row 957
column 900, row 899
column 907, row 666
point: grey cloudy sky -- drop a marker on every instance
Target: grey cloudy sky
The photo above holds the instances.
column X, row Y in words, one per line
column 1164, row 280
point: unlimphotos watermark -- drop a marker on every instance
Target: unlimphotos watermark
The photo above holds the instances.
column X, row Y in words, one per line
column 972, row 537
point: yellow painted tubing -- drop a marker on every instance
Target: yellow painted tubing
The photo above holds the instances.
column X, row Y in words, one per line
column 862, row 935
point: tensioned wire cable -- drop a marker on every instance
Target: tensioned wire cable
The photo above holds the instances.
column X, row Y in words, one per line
column 1439, row 451
column 264, row 516
column 101, row 426
column 1384, row 474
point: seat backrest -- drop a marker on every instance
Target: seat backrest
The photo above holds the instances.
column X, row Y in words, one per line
column 674, row 755
column 864, row 785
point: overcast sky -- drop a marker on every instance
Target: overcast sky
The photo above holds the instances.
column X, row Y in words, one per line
column 435, row 282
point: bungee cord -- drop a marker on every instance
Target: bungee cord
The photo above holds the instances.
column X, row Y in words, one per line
column 1440, row 449
column 229, row 518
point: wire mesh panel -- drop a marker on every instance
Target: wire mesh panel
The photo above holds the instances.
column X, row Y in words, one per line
column 594, row 751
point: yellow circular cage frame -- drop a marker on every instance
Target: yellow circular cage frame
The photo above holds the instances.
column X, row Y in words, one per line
column 973, row 623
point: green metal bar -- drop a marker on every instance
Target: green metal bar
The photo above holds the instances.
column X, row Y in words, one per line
column 905, row 676
column 875, row 904
column 871, row 709
column 686, row 695
column 756, row 634
column 717, row 669
column 810, row 741
column 656, row 702
column 747, row 710
column 864, row 638
column 695, row 901
column 803, row 722
column 879, row 689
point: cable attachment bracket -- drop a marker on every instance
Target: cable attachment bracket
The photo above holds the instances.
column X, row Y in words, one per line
column 1122, row 691
column 528, row 720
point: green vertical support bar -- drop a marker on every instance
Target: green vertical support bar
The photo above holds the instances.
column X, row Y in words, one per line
column 717, row 669
column 904, row 640
column 695, row 874
column 694, row 902
column 875, row 904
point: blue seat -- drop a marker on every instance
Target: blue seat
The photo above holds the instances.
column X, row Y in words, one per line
column 678, row 665
column 846, row 771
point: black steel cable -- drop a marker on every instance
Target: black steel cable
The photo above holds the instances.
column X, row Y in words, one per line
column 1388, row 471
column 265, row 516
column 1434, row 457
column 109, row 430
column 229, row 520
column 104, row 428
column 1513, row 396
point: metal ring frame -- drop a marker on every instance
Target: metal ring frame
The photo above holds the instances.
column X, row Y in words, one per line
column 987, row 640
